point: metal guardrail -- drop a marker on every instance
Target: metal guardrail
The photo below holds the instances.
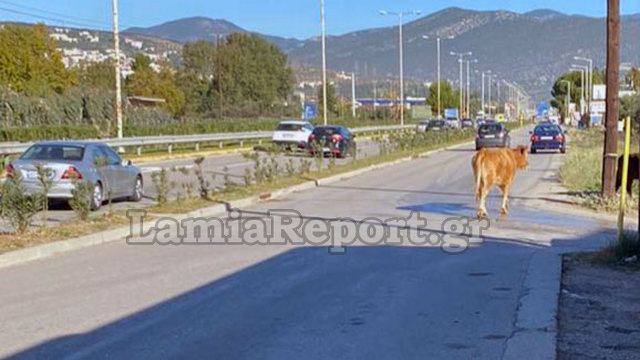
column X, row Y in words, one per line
column 171, row 140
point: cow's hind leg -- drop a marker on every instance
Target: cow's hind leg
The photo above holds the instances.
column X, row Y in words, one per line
column 482, row 203
column 504, row 210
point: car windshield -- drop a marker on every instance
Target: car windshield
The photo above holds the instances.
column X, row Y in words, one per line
column 490, row 129
column 546, row 129
column 54, row 152
column 324, row 131
column 436, row 123
column 289, row 127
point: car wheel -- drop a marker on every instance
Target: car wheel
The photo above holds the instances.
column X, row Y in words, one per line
column 97, row 197
column 533, row 151
column 563, row 150
column 137, row 190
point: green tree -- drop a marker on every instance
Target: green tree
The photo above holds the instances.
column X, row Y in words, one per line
column 145, row 81
column 560, row 88
column 98, row 75
column 332, row 101
column 196, row 75
column 250, row 73
column 449, row 98
column 30, row 61
column 633, row 78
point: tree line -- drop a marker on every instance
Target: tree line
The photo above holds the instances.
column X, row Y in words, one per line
column 242, row 75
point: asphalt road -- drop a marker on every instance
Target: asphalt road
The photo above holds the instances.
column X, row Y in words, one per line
column 299, row 301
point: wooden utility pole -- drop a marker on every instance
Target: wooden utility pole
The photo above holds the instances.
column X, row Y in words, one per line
column 613, row 103
column 116, row 45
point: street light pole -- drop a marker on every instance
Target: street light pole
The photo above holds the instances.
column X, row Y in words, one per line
column 461, row 87
column 400, row 16
column 439, row 82
column 116, row 45
column 353, row 94
column 324, row 63
column 469, row 86
column 567, row 99
column 582, row 71
column 589, row 78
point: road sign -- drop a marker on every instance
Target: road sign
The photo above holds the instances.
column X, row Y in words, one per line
column 599, row 92
column 451, row 114
column 598, row 107
column 310, row 111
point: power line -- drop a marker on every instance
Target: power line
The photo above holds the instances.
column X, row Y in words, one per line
column 49, row 12
column 56, row 20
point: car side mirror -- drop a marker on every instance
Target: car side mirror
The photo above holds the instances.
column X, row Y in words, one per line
column 126, row 163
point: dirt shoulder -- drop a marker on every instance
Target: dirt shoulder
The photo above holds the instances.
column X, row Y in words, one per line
column 599, row 310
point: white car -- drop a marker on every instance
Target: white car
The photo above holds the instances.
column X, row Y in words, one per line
column 292, row 134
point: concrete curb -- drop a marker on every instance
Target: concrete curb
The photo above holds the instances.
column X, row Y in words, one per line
column 55, row 248
column 536, row 318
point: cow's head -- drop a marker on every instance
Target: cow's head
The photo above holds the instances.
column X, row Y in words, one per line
column 521, row 156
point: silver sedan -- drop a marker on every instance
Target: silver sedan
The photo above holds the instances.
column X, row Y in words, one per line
column 67, row 162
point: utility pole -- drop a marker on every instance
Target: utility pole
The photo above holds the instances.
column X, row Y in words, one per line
column 489, row 96
column 324, row 63
column 116, row 45
column 613, row 110
column 353, row 94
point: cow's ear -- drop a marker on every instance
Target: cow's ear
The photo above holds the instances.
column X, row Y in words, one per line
column 523, row 150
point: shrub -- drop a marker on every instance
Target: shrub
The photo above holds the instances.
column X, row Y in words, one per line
column 81, row 197
column 160, row 180
column 18, row 207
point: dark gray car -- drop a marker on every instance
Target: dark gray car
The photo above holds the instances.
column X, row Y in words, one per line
column 70, row 161
column 492, row 135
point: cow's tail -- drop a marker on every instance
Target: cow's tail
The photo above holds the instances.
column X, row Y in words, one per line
column 477, row 169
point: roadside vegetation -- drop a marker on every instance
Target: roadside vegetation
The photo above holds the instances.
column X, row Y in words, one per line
column 195, row 188
column 581, row 172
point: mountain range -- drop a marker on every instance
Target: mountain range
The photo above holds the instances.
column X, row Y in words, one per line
column 530, row 48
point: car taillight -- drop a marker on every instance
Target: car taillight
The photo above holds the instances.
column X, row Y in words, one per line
column 535, row 138
column 312, row 137
column 337, row 138
column 71, row 174
column 559, row 137
column 9, row 170
column 501, row 135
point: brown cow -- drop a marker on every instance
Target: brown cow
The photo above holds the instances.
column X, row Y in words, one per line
column 632, row 174
column 497, row 167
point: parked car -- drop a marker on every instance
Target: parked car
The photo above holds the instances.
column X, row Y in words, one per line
column 68, row 162
column 437, row 125
column 422, row 126
column 293, row 134
column 332, row 140
column 548, row 136
column 492, row 135
column 467, row 123
column 453, row 123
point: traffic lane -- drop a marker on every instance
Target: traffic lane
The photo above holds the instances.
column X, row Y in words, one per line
column 375, row 302
column 45, row 300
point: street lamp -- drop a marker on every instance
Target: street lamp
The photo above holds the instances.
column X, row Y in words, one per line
column 484, row 75
column 491, row 77
column 589, row 77
column 583, row 81
column 461, row 57
column 324, row 63
column 568, row 98
column 438, row 40
column 401, row 15
column 469, row 86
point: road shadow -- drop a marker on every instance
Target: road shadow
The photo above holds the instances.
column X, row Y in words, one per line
column 316, row 306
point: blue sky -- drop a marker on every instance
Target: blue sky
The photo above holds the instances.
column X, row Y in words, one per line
column 289, row 18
